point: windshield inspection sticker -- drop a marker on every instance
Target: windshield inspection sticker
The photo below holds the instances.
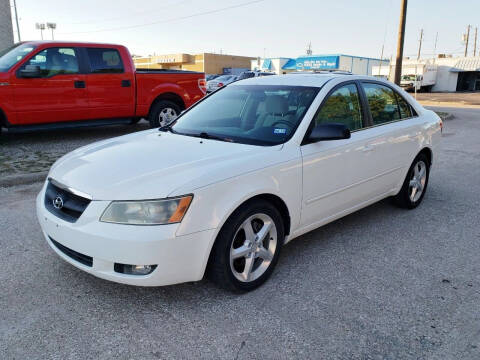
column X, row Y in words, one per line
column 279, row 131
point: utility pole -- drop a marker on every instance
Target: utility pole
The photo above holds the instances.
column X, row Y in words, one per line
column 466, row 41
column 16, row 19
column 475, row 43
column 420, row 44
column 401, row 38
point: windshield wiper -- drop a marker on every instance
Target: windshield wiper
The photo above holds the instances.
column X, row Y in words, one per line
column 167, row 127
column 205, row 135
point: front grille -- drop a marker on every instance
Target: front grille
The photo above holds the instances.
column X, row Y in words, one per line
column 72, row 207
column 81, row 258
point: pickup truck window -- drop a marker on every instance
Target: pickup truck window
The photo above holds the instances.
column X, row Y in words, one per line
column 12, row 55
column 55, row 61
column 105, row 61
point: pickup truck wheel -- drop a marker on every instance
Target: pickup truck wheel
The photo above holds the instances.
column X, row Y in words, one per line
column 247, row 248
column 163, row 113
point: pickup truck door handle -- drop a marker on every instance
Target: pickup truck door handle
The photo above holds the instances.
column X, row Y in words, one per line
column 79, row 84
column 126, row 83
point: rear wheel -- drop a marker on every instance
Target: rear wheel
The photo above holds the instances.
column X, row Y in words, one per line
column 247, row 248
column 415, row 184
column 163, row 113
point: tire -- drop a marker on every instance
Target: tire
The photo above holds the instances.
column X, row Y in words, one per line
column 234, row 253
column 163, row 112
column 415, row 184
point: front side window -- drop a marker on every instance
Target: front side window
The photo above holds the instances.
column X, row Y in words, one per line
column 342, row 106
column 12, row 55
column 105, row 61
column 382, row 102
column 55, row 61
column 250, row 114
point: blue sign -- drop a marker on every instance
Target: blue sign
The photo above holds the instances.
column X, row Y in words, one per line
column 318, row 62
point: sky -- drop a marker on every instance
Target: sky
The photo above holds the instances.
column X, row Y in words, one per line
column 271, row 28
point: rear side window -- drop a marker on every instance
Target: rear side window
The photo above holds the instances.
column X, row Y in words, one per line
column 342, row 106
column 405, row 108
column 105, row 61
column 382, row 102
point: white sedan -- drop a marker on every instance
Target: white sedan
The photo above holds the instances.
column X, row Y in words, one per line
column 247, row 169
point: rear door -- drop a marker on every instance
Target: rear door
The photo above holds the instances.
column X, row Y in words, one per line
column 110, row 87
column 59, row 93
column 394, row 129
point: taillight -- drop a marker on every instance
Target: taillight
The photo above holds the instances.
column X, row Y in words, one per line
column 220, row 84
column 441, row 126
column 202, row 85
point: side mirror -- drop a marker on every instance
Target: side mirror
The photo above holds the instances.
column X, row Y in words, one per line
column 30, row 71
column 330, row 131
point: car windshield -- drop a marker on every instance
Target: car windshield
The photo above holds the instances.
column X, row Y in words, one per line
column 12, row 55
column 246, row 75
column 263, row 115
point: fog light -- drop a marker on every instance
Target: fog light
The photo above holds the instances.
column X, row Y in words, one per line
column 134, row 269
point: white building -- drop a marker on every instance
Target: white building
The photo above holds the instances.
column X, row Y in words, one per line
column 355, row 64
column 453, row 73
column 6, row 31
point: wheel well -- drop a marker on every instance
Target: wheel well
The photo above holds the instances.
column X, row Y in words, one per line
column 171, row 97
column 279, row 204
column 428, row 153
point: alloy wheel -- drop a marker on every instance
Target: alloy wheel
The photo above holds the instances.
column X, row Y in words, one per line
column 253, row 247
column 417, row 181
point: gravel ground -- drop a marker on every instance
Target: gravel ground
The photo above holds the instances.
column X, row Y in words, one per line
column 37, row 151
column 382, row 283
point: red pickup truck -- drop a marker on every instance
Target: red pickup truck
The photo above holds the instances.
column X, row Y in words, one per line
column 62, row 84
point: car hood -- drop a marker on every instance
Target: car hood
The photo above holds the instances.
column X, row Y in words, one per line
column 152, row 164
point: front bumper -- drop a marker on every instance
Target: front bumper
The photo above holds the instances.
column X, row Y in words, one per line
column 178, row 258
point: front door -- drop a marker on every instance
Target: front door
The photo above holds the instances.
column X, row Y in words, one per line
column 336, row 173
column 59, row 93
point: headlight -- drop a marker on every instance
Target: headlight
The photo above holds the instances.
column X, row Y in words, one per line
column 148, row 212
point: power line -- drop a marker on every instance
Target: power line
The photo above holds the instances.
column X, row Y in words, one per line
column 128, row 16
column 169, row 20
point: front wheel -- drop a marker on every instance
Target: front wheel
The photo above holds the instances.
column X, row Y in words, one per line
column 415, row 184
column 247, row 248
column 163, row 113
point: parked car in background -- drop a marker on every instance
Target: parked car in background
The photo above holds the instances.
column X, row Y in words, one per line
column 48, row 84
column 219, row 82
column 249, row 168
column 209, row 77
column 250, row 74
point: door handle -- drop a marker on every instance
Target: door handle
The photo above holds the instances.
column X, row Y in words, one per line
column 79, row 84
column 126, row 83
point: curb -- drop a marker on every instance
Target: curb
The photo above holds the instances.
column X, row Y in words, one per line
column 23, row 179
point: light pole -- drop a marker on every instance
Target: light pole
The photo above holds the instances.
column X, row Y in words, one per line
column 52, row 26
column 41, row 27
column 16, row 19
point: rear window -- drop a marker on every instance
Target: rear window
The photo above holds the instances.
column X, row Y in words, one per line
column 105, row 61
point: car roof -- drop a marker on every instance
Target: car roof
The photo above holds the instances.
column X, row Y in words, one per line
column 306, row 79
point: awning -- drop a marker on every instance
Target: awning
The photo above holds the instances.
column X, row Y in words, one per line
column 267, row 64
column 466, row 64
column 291, row 64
